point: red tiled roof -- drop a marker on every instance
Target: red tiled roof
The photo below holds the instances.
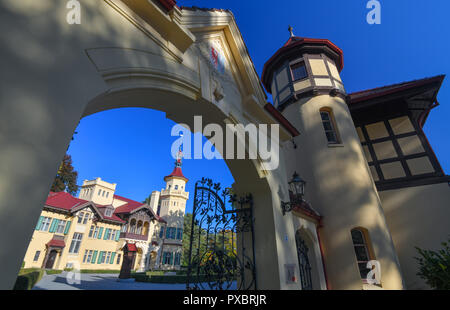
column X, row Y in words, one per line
column 56, row 243
column 129, row 206
column 66, row 201
column 63, row 200
column 132, row 205
column 176, row 173
column 389, row 89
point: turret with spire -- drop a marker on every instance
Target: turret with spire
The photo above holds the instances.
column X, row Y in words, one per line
column 174, row 196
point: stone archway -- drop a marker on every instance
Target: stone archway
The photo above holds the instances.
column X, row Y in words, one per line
column 77, row 76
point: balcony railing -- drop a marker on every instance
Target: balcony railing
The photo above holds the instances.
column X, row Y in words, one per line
column 166, row 192
column 129, row 235
column 164, row 240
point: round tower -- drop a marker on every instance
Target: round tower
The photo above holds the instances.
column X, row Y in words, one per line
column 303, row 77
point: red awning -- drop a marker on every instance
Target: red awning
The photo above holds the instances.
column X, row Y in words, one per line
column 131, row 247
column 57, row 243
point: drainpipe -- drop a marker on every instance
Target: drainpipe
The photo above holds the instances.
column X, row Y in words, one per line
column 319, row 225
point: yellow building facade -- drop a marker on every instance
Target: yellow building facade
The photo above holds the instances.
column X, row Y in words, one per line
column 91, row 230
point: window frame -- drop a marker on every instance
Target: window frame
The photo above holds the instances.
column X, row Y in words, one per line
column 45, row 223
column 91, row 231
column 36, row 256
column 80, row 217
column 297, row 64
column 75, row 244
column 366, row 245
column 61, row 224
column 332, row 124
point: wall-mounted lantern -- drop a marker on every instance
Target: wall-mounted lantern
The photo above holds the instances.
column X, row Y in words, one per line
column 296, row 190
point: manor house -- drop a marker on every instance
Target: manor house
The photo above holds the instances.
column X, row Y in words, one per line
column 91, row 230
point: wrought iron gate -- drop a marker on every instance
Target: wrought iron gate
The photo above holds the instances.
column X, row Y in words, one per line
column 221, row 242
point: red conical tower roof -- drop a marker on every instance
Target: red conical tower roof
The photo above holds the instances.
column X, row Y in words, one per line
column 176, row 173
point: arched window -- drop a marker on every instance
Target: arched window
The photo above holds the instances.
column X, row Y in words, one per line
column 133, row 226
column 329, row 125
column 146, row 228
column 363, row 250
column 139, row 228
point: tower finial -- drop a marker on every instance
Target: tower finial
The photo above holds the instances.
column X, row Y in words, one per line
column 179, row 155
column 291, row 30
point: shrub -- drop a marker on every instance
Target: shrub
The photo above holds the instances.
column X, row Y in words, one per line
column 53, row 271
column 434, row 267
column 27, row 278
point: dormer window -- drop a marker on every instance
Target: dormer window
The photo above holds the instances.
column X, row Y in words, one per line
column 298, row 71
column 109, row 212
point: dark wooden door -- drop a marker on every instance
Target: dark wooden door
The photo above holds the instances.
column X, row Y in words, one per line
column 127, row 265
column 51, row 259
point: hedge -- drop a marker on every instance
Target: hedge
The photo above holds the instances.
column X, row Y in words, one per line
column 166, row 279
column 99, row 271
column 53, row 271
column 27, row 278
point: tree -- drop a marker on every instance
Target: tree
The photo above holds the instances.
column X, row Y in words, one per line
column 187, row 236
column 66, row 177
column 434, row 267
column 147, row 200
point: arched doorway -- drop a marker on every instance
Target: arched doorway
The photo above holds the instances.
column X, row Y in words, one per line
column 51, row 259
column 303, row 262
column 311, row 271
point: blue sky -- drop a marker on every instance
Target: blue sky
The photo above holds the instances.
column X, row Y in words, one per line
column 132, row 146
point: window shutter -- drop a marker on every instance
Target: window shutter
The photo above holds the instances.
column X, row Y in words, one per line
column 168, row 232
column 67, row 227
column 53, row 225
column 100, row 257
column 100, row 233
column 56, row 224
column 161, row 232
column 171, row 258
column 113, row 254
column 94, row 256
column 117, row 235
column 39, row 223
column 106, row 234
